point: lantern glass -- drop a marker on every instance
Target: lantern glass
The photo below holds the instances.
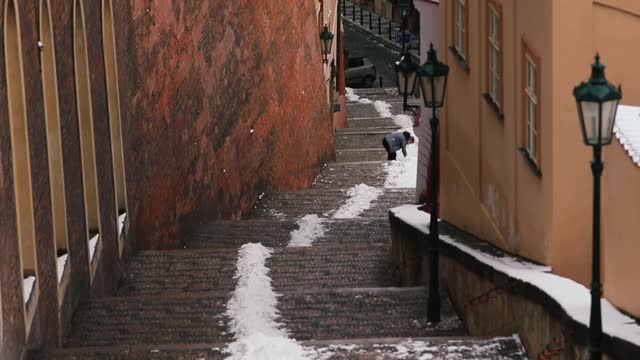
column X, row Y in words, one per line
column 406, row 75
column 597, row 101
column 597, row 121
column 433, row 90
column 406, row 82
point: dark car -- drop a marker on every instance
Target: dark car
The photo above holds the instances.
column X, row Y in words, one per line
column 360, row 72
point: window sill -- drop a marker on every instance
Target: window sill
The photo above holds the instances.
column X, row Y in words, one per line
column 532, row 164
column 461, row 60
column 493, row 105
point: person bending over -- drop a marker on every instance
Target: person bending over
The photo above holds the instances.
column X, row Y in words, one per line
column 395, row 141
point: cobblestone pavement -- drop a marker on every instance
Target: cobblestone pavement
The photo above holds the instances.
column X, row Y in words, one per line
column 336, row 296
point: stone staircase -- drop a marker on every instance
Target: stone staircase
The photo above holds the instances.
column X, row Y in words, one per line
column 336, row 297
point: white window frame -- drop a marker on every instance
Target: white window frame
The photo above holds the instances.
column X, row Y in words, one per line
column 495, row 55
column 531, row 107
column 460, row 28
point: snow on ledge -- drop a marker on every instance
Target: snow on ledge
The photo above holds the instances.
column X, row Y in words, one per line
column 121, row 219
column 574, row 298
column 61, row 263
column 27, row 288
column 627, row 130
column 93, row 245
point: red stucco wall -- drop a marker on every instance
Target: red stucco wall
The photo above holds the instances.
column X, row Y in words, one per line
column 196, row 79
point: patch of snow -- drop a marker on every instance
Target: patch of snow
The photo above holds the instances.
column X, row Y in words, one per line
column 574, row 298
column 383, row 108
column 403, row 172
column 61, row 263
column 275, row 213
column 352, row 96
column 121, row 219
column 93, row 244
column 27, row 287
column 404, row 121
column 360, row 198
column 627, row 130
column 253, row 313
column 311, row 227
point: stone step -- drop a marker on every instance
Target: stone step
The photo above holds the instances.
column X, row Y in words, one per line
column 364, row 313
column 359, row 140
column 356, row 349
column 359, row 110
column 387, row 128
column 276, row 233
column 118, row 321
column 347, row 175
column 292, row 268
column 371, row 122
column 307, row 315
column 359, row 155
column 323, row 201
column 438, row 348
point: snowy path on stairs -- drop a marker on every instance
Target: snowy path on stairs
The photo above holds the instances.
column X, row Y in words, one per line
column 306, row 276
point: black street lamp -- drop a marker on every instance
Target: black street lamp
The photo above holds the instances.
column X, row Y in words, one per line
column 433, row 83
column 597, row 101
column 326, row 42
column 406, row 76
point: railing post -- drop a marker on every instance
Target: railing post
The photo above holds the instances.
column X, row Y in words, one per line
column 390, row 30
column 361, row 21
column 344, row 8
column 379, row 25
column 370, row 21
column 353, row 13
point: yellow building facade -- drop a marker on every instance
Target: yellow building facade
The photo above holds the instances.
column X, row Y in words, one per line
column 514, row 168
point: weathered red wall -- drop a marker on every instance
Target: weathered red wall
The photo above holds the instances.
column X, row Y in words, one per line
column 196, row 78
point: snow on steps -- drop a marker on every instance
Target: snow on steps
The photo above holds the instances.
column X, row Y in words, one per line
column 275, row 232
column 199, row 271
column 354, row 349
column 316, row 314
column 316, row 201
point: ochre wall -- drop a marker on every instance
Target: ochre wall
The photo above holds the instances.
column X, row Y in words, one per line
column 621, row 176
column 487, row 186
column 220, row 102
column 484, row 176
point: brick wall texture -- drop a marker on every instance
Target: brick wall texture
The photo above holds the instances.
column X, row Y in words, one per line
column 220, row 101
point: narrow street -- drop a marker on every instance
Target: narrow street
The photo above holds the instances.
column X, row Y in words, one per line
column 306, row 276
column 358, row 44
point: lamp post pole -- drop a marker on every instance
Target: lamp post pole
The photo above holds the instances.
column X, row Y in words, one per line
column 597, row 101
column 433, row 301
column 597, row 166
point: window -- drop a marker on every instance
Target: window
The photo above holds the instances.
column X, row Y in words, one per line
column 531, row 106
column 460, row 28
column 494, row 52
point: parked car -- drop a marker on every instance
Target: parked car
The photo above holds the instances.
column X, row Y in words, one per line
column 360, row 72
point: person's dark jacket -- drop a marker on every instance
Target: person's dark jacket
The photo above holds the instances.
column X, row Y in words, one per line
column 397, row 141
